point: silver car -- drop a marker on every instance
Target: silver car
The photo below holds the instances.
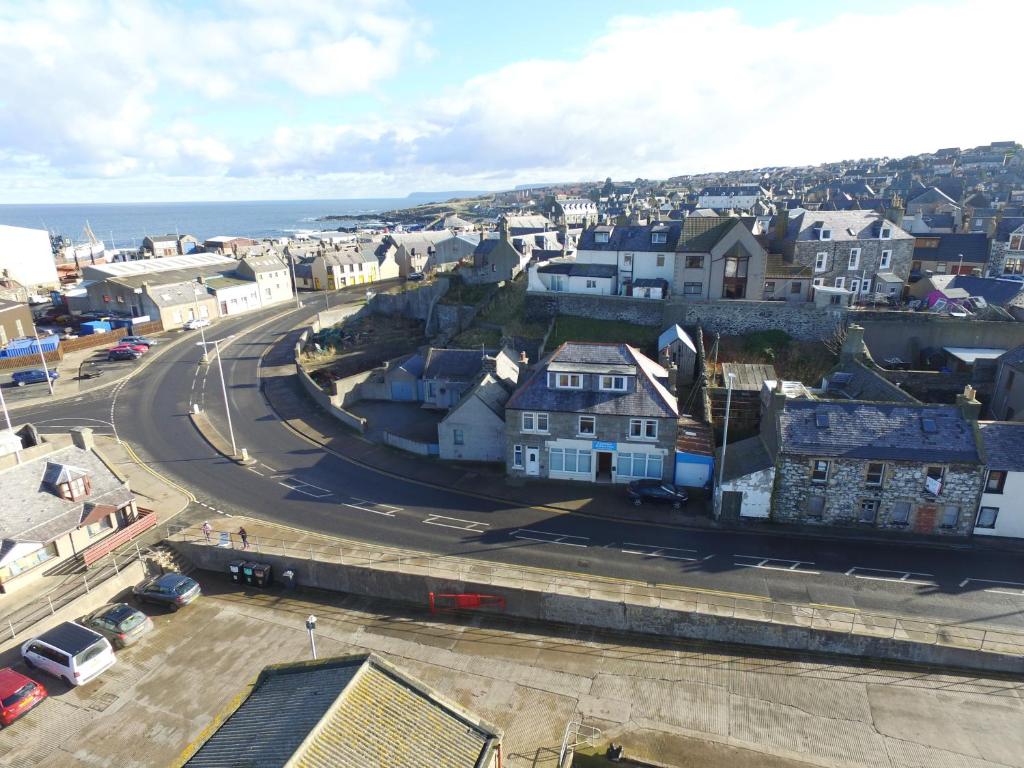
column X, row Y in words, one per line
column 120, row 623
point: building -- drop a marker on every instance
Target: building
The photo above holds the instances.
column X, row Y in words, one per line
column 453, row 251
column 270, row 274
column 15, row 321
column 643, row 253
column 1001, row 509
column 1007, row 403
column 59, row 500
column 575, row 211
column 26, row 256
column 409, row 250
column 718, row 258
column 593, row 412
column 228, row 244
column 958, row 254
column 474, row 428
column 875, row 465
column 159, row 246
column 677, row 350
column 932, row 201
column 858, row 251
column 786, row 281
column 335, row 269
column 497, row 260
column 347, row 712
column 740, row 198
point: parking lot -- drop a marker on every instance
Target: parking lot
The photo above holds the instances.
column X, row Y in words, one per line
column 664, row 698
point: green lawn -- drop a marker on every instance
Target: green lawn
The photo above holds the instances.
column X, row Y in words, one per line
column 611, row 331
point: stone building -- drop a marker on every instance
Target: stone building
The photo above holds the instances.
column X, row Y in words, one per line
column 859, row 251
column 593, row 412
column 894, row 466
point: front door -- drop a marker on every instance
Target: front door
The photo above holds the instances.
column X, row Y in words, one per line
column 604, row 465
column 532, row 461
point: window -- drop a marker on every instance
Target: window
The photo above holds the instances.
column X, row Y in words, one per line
column 458, row 437
column 995, row 482
column 1013, row 267
column 886, row 233
column 627, row 260
column 644, row 429
column 940, row 267
column 900, row 513
column 660, row 260
column 819, row 281
column 840, row 282
column 826, row 234
column 587, row 426
column 569, row 460
column 868, row 510
column 794, row 287
column 821, row 262
column 600, row 237
column 854, row 261
column 886, row 260
column 950, row 515
column 987, row 517
column 535, row 422
column 659, row 237
column 517, row 456
column 769, row 287
column 819, row 472
column 1017, row 242
column 591, row 283
column 613, row 383
column 855, row 285
column 865, row 285
column 815, row 506
column 695, row 261
column 693, row 289
column 647, row 465
column 95, row 529
column 568, row 380
column 933, row 480
column 874, row 475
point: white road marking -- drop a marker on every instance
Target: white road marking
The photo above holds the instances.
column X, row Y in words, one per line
column 293, row 484
column 775, row 564
column 255, row 471
column 555, row 538
column 384, row 512
column 1018, row 592
column 377, row 504
column 267, row 466
column 652, row 550
column 902, row 577
column 451, row 522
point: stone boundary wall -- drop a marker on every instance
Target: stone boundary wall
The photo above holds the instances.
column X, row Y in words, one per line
column 606, row 609
column 349, row 390
column 413, row 303
column 327, row 402
column 544, row 306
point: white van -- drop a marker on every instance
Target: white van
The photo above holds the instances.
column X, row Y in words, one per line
column 71, row 652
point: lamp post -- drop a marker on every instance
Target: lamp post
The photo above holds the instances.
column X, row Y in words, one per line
column 42, row 357
column 202, row 334
column 310, row 626
column 295, row 285
column 725, row 442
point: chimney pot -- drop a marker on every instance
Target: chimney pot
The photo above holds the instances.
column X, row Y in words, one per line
column 82, row 437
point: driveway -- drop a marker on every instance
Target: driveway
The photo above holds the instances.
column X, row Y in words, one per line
column 407, row 420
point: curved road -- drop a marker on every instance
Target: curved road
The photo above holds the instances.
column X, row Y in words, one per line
column 297, row 483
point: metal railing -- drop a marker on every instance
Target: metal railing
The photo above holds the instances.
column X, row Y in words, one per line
column 967, row 636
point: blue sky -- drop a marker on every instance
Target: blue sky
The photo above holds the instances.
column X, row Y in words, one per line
column 258, row 99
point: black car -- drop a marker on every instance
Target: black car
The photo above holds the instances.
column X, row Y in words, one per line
column 655, row 490
column 123, row 353
column 172, row 589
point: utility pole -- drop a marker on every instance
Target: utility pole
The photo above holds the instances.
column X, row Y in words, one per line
column 295, row 284
column 725, row 443
column 42, row 357
column 224, row 391
column 202, row 334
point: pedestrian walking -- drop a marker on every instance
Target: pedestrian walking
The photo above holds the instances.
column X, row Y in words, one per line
column 244, row 537
column 207, row 530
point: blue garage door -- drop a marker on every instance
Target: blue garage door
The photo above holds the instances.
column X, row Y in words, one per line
column 402, row 390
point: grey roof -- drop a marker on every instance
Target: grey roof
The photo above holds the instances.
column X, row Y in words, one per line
column 33, row 511
column 177, row 293
column 675, row 333
column 845, row 225
column 701, row 233
column 170, row 276
column 632, row 237
column 573, row 269
column 1003, row 442
column 452, row 364
column 949, row 247
column 744, row 458
column 993, row 290
column 268, row 262
column 876, row 431
column 648, row 398
column 932, row 195
column 1013, row 357
column 489, row 390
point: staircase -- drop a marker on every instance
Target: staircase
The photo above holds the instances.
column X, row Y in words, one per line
column 161, row 558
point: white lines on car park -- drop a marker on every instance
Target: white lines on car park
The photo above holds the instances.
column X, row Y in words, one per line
column 308, row 489
column 652, row 550
column 1014, row 588
column 544, row 537
column 386, row 510
column 882, row 574
column 775, row 564
column 255, row 471
column 454, row 522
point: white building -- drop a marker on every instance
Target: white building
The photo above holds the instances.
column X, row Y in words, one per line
column 741, row 197
column 271, row 276
column 1001, row 510
column 27, row 257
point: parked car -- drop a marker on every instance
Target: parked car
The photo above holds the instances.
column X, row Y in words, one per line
column 71, row 652
column 142, row 340
column 196, row 322
column 34, row 376
column 18, row 694
column 123, row 353
column 655, row 490
column 121, row 624
column 415, row 277
column 172, row 589
column 140, row 348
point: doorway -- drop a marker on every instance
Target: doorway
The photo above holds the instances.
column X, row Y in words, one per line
column 532, row 461
column 604, row 466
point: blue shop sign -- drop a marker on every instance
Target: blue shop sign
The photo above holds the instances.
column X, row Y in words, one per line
column 601, row 445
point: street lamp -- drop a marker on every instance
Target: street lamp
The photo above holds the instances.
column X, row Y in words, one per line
column 202, row 333
column 295, row 284
column 223, row 389
column 311, row 625
column 42, row 357
column 725, row 442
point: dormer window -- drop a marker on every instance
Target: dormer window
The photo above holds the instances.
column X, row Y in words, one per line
column 613, row 383
column 826, row 234
column 600, row 237
column 885, row 234
column 76, row 488
column 567, row 380
column 659, row 237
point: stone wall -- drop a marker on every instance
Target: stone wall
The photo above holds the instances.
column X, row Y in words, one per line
column 328, row 402
column 906, row 334
column 413, row 303
column 802, row 321
column 544, row 306
column 903, row 481
column 452, row 319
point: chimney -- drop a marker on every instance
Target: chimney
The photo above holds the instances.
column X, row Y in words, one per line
column 489, row 364
column 523, row 360
column 673, row 378
column 781, row 226
column 894, row 212
column 503, row 228
column 853, row 346
column 968, row 404
column 771, row 407
column 82, row 437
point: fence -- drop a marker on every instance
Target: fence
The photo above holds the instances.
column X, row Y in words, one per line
column 102, row 548
column 412, row 446
column 28, row 361
column 969, row 637
column 93, row 340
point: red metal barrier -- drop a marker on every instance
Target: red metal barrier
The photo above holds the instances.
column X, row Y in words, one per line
column 465, row 601
column 103, row 548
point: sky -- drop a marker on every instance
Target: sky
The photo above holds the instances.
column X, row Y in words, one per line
column 161, row 100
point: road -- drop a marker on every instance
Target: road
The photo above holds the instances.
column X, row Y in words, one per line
column 297, row 483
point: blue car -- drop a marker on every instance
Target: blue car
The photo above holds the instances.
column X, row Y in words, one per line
column 34, row 376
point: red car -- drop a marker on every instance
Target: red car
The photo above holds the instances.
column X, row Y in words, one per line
column 18, row 694
column 140, row 348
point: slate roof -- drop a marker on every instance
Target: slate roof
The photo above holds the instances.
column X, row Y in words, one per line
column 931, row 196
column 649, row 398
column 776, row 266
column 939, row 220
column 993, row 290
column 574, row 269
column 675, row 333
column 972, row 245
column 351, row 712
column 632, row 237
column 33, row 512
column 1002, row 441
column 452, row 364
column 701, row 234
column 489, row 390
column 863, row 224
column 744, row 458
column 884, row 431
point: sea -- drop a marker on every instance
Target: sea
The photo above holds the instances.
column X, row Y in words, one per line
column 124, row 225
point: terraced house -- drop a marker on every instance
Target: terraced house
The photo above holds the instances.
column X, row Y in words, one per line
column 593, row 412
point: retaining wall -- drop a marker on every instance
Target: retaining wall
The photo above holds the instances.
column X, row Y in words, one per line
column 327, row 402
column 541, row 307
column 606, row 610
column 906, row 334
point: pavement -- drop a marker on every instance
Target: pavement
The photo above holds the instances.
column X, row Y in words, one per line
column 669, row 702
